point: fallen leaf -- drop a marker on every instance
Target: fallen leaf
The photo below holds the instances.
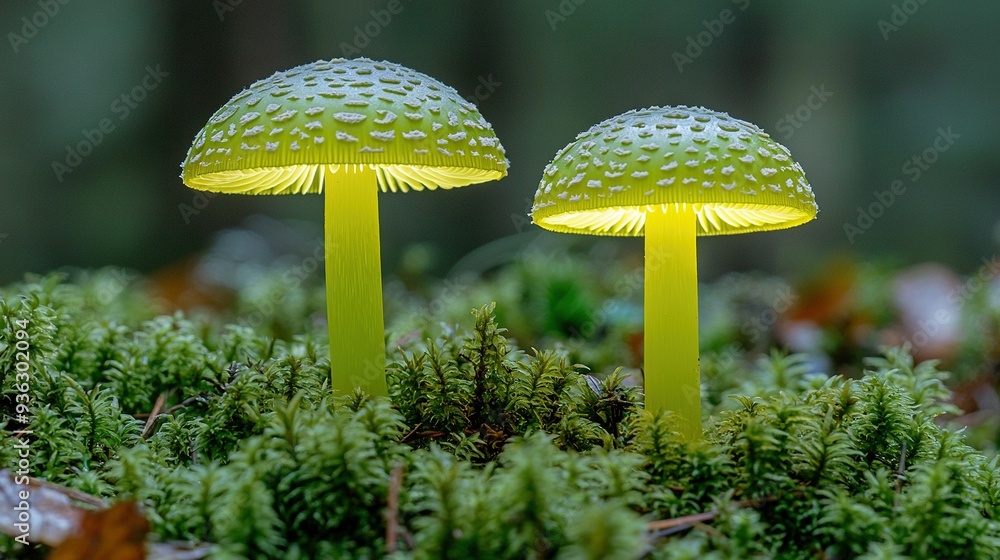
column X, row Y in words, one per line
column 55, row 517
column 118, row 533
column 47, row 515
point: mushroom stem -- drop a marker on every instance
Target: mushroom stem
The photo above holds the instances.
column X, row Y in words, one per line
column 354, row 281
column 672, row 379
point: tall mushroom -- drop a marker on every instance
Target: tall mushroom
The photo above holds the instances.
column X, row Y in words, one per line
column 346, row 128
column 671, row 173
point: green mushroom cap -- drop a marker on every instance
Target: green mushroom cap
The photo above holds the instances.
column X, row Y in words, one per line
column 277, row 135
column 731, row 172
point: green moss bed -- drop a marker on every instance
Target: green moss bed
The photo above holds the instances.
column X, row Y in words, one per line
column 523, row 443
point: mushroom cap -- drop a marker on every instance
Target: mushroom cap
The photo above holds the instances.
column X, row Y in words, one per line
column 275, row 136
column 734, row 175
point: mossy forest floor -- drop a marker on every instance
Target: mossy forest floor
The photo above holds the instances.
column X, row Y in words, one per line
column 514, row 429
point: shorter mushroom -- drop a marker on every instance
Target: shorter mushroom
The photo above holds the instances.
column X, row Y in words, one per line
column 671, row 173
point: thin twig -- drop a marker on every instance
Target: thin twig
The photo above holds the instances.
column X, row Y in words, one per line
column 151, row 420
column 186, row 402
column 392, row 509
column 688, row 521
column 900, row 472
column 413, row 431
column 662, row 524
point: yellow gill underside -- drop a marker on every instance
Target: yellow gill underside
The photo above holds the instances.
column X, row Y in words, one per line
column 308, row 178
column 713, row 218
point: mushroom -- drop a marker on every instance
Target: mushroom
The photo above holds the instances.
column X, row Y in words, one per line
column 345, row 128
column 671, row 173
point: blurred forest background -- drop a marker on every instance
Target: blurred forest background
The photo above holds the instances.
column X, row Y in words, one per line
column 864, row 93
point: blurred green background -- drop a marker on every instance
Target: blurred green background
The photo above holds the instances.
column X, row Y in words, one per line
column 855, row 89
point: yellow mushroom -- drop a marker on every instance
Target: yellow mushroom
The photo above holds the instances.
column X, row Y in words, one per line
column 346, row 128
column 671, row 173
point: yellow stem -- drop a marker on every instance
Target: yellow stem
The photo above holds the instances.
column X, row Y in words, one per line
column 354, row 281
column 672, row 379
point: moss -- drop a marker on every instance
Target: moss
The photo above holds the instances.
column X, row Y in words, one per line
column 493, row 452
